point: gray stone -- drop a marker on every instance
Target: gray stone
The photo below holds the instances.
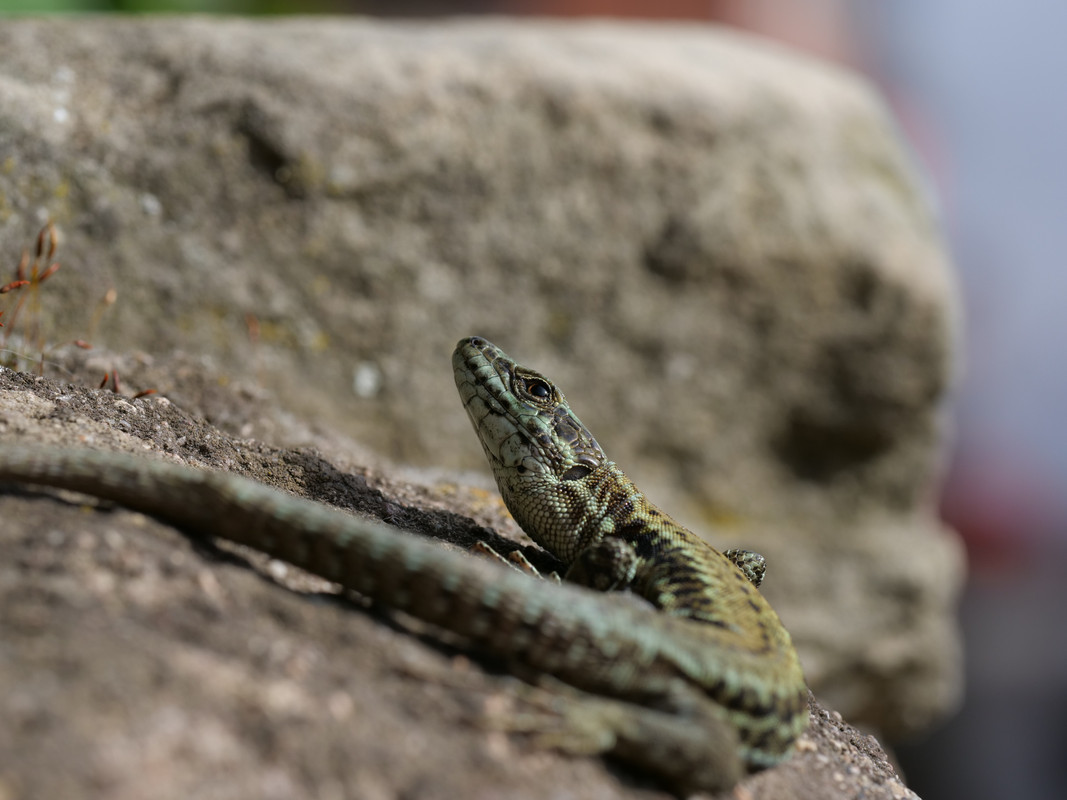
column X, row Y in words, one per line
column 717, row 248
column 138, row 662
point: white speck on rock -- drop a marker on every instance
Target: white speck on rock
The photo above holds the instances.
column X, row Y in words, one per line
column 367, row 379
column 151, row 205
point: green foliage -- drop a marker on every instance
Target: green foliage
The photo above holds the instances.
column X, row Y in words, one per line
column 250, row 7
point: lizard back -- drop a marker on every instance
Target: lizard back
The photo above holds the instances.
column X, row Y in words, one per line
column 569, row 498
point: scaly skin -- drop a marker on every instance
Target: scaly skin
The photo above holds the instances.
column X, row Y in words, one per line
column 574, row 502
column 694, row 695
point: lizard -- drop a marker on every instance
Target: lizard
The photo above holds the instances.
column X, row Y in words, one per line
column 696, row 691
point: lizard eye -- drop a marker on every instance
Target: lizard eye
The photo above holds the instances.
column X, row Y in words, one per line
column 538, row 389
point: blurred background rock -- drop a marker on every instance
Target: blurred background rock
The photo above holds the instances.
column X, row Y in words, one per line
column 977, row 89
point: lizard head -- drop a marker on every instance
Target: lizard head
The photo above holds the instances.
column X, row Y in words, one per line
column 523, row 421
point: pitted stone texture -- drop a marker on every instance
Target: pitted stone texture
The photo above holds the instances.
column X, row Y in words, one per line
column 716, row 248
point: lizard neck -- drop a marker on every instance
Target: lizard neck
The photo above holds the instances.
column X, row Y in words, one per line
column 565, row 517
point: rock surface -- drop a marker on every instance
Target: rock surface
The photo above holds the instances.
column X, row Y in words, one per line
column 716, row 248
column 136, row 662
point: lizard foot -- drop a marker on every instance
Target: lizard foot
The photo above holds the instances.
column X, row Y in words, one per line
column 753, row 565
column 515, row 560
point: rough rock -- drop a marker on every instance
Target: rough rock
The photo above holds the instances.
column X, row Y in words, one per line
column 715, row 247
column 137, row 662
